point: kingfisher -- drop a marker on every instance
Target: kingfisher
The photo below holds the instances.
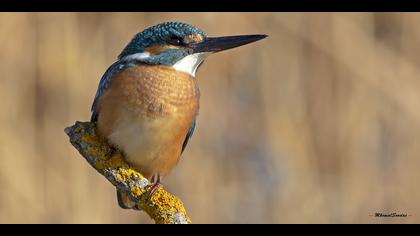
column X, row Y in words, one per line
column 148, row 100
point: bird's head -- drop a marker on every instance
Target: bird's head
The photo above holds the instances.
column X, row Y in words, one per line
column 179, row 45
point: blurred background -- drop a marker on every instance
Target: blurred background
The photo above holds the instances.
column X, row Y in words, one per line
column 318, row 123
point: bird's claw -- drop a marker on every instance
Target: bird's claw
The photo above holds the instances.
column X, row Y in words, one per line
column 153, row 189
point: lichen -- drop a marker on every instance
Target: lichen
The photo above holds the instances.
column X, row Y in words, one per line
column 165, row 208
column 137, row 191
column 162, row 207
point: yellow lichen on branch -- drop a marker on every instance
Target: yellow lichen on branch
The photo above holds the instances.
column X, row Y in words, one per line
column 163, row 207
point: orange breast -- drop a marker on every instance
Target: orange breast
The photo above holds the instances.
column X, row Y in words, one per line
column 147, row 112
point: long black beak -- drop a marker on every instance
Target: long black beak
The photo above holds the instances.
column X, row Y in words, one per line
column 218, row 44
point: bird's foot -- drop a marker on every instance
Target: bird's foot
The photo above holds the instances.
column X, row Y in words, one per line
column 154, row 189
column 155, row 186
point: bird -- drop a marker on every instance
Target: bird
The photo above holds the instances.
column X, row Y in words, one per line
column 147, row 101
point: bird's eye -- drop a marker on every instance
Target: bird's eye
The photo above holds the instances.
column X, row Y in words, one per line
column 176, row 41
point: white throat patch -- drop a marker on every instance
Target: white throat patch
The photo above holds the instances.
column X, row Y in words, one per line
column 136, row 56
column 190, row 63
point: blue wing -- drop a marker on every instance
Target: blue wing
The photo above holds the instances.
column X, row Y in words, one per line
column 189, row 134
column 103, row 86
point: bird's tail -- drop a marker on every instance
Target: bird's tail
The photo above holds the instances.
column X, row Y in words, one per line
column 125, row 202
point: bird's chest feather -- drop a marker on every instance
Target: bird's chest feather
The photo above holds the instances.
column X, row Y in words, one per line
column 147, row 112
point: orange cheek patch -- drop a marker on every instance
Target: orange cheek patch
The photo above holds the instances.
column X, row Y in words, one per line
column 195, row 38
column 157, row 49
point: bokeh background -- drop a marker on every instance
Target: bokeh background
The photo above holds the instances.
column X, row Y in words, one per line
column 318, row 123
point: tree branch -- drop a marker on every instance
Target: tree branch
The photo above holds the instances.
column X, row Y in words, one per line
column 163, row 208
